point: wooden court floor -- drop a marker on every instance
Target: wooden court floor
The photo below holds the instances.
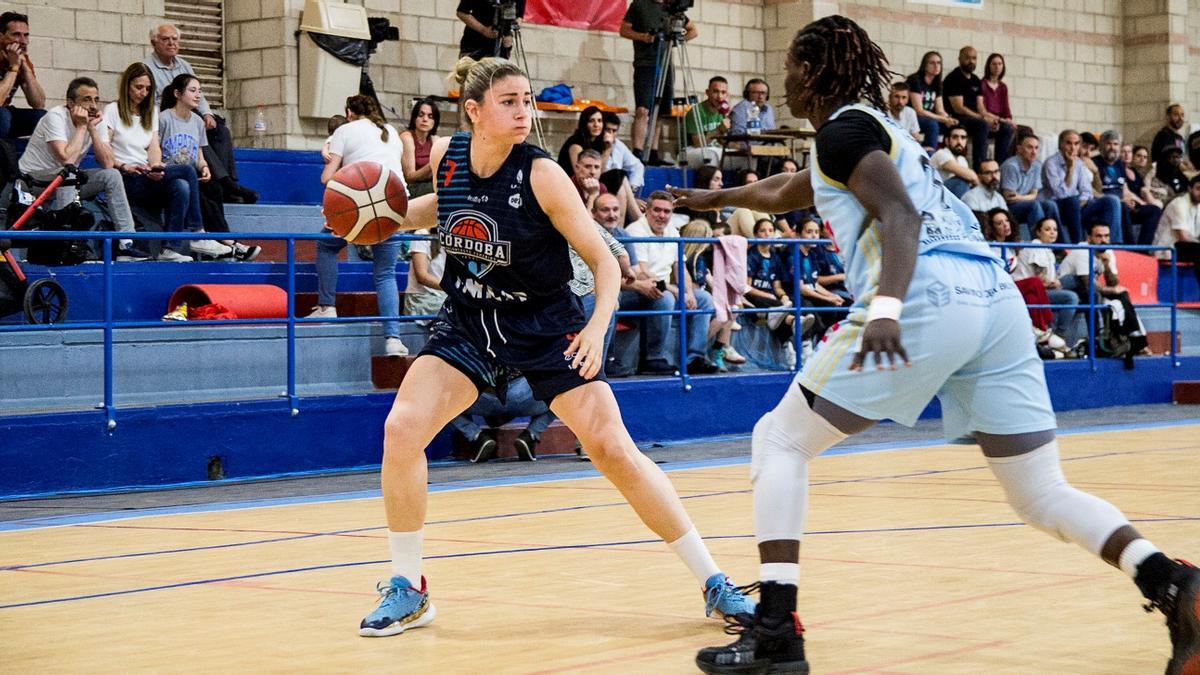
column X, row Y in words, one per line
column 913, row 564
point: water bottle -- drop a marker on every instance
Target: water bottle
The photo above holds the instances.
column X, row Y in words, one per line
column 753, row 123
column 260, row 123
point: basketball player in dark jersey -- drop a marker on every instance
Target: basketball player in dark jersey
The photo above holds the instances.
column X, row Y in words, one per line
column 505, row 212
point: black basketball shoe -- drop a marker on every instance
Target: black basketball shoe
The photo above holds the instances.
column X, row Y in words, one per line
column 760, row 648
column 1179, row 601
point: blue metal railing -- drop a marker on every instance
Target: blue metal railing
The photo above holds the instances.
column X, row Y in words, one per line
column 681, row 312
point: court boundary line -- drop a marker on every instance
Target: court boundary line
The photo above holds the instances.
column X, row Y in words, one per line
column 509, row 481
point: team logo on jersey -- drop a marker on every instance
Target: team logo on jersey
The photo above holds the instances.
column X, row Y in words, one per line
column 472, row 237
column 938, row 294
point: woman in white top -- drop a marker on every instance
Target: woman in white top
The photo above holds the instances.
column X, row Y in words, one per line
column 149, row 183
column 423, row 294
column 1040, row 263
column 365, row 138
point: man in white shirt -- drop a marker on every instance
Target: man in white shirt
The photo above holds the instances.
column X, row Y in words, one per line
column 902, row 112
column 63, row 136
column 986, row 196
column 620, row 156
column 1073, row 273
column 951, row 163
column 1180, row 226
column 660, row 262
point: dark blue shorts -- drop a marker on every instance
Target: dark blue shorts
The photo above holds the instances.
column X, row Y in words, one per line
column 643, row 89
column 492, row 346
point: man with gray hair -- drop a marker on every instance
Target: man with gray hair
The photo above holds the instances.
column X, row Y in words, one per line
column 1110, row 179
column 166, row 64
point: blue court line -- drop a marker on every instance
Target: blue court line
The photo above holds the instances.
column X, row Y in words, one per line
column 79, row 519
column 511, row 551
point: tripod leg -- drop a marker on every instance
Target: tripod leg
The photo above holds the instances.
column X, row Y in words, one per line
column 689, row 87
column 662, row 69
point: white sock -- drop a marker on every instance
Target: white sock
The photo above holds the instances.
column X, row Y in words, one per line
column 691, row 550
column 1135, row 554
column 780, row 573
column 406, row 555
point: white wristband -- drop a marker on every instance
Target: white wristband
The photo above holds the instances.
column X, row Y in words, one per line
column 884, row 307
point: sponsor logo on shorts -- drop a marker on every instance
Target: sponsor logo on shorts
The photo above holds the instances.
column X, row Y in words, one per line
column 938, row 294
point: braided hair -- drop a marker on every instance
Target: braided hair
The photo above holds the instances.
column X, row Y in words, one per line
column 845, row 64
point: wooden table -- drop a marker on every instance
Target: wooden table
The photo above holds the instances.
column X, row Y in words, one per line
column 770, row 143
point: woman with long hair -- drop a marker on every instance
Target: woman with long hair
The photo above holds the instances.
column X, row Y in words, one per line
column 181, row 136
column 365, row 138
column 925, row 87
column 919, row 270
column 588, row 135
column 417, row 140
column 995, row 94
column 698, row 258
column 505, row 213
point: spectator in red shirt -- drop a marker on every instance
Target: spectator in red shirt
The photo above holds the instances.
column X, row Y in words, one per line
column 995, row 92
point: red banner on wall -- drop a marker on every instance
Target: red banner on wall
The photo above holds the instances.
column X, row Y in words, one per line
column 581, row 14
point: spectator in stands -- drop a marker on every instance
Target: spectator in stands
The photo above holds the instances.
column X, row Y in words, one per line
column 964, row 92
column 518, row 402
column 1169, row 179
column 63, row 136
column 1021, row 184
column 331, row 125
column 620, row 157
column 925, row 96
column 150, row 184
column 182, row 138
column 765, row 289
column 643, row 24
column 698, row 258
column 417, row 140
column 831, row 271
column 1193, row 149
column 1088, row 144
column 480, row 37
column 1112, row 179
column 166, row 65
column 986, row 196
column 1180, row 226
column 1040, row 263
column 901, row 112
column 995, row 91
column 1069, row 184
column 660, row 263
column 708, row 120
column 586, row 177
column 1137, row 159
column 951, row 163
column 588, row 135
column 1073, row 272
column 709, row 177
column 423, row 294
column 998, row 228
column 583, row 282
column 1170, row 135
column 755, row 95
column 19, row 74
column 366, row 137
column 743, row 221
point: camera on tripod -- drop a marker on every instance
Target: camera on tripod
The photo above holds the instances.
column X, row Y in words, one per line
column 506, row 17
column 674, row 19
column 381, row 30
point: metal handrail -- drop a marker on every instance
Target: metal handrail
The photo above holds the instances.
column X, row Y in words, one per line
column 108, row 324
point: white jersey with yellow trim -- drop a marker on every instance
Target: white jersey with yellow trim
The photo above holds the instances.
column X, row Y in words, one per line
column 947, row 225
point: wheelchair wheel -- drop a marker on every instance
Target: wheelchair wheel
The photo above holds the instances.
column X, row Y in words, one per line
column 45, row 302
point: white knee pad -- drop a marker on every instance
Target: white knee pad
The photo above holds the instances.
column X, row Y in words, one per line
column 1039, row 493
column 783, row 442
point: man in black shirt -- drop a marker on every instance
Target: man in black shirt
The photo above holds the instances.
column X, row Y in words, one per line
column 643, row 24
column 1169, row 136
column 964, row 91
column 480, row 37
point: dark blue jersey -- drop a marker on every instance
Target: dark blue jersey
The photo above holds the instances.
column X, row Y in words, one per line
column 502, row 250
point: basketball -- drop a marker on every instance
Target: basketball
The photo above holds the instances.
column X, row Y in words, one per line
column 364, row 203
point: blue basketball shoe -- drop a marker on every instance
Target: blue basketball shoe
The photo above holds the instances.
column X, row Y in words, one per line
column 401, row 607
column 722, row 597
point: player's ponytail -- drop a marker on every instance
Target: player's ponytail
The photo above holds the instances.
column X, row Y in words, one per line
column 365, row 107
column 475, row 78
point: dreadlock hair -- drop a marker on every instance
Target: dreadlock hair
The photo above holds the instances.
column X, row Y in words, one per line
column 845, row 65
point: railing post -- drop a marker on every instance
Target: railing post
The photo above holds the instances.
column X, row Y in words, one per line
column 110, row 408
column 797, row 323
column 1091, row 291
column 293, row 400
column 1174, row 306
column 681, row 306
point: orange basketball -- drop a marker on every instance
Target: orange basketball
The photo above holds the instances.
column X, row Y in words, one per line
column 364, row 203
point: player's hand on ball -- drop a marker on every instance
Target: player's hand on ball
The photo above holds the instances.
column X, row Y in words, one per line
column 881, row 337
column 696, row 200
column 587, row 350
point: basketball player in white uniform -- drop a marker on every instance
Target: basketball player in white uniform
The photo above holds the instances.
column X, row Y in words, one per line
column 919, row 270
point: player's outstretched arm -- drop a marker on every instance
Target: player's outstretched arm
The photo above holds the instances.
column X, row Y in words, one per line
column 780, row 193
column 877, row 186
column 422, row 211
column 557, row 196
